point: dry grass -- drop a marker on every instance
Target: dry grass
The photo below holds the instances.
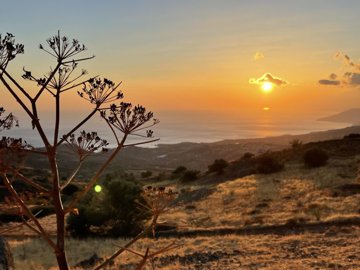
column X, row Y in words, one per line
column 296, row 193
column 334, row 249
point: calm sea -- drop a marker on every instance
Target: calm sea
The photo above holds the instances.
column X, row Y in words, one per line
column 193, row 126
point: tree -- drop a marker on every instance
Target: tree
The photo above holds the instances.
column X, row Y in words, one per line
column 123, row 119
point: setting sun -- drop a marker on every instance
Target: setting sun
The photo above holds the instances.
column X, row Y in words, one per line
column 267, row 87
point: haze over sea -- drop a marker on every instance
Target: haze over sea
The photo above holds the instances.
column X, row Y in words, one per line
column 191, row 126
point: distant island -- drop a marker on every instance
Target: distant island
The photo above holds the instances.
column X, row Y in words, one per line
column 351, row 116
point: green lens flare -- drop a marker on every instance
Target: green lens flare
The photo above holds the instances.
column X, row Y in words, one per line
column 98, row 188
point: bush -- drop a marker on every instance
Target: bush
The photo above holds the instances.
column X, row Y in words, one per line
column 71, row 189
column 178, row 172
column 218, row 166
column 268, row 163
column 146, row 174
column 296, row 143
column 315, row 157
column 189, row 176
column 114, row 211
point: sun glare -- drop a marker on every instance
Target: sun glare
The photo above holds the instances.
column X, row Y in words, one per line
column 267, row 87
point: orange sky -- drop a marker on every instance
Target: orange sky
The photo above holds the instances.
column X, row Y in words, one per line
column 184, row 56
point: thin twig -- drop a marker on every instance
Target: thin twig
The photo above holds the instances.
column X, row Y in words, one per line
column 28, row 212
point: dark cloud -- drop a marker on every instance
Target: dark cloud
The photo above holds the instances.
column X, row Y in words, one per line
column 352, row 78
column 329, row 82
column 268, row 77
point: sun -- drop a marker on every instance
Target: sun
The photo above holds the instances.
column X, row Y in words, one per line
column 267, row 87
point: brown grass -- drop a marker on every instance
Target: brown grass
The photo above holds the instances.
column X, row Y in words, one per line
column 296, row 194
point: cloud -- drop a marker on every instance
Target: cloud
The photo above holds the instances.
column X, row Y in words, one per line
column 347, row 60
column 351, row 78
column 329, row 82
column 268, row 77
column 258, row 56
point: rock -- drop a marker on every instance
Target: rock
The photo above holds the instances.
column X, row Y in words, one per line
column 6, row 259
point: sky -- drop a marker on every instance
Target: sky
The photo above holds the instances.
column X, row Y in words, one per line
column 201, row 55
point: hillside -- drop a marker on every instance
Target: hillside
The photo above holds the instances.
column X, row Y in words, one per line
column 192, row 155
column 351, row 116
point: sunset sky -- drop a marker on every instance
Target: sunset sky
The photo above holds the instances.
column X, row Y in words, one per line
column 204, row 54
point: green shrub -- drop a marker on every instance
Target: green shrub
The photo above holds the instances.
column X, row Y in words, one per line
column 218, row 166
column 114, row 211
column 315, row 157
column 178, row 172
column 71, row 189
column 189, row 176
column 268, row 163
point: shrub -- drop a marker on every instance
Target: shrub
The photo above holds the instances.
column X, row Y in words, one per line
column 218, row 166
column 189, row 176
column 296, row 143
column 114, row 211
column 268, row 163
column 178, row 172
column 315, row 157
column 146, row 174
column 71, row 189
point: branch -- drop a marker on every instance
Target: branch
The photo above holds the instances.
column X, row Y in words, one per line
column 26, row 223
column 77, row 126
column 28, row 212
column 57, row 118
column 134, row 144
column 71, row 178
column 113, row 131
column 47, row 81
column 31, row 183
column 19, row 225
column 78, row 60
column 17, row 84
column 95, row 178
column 76, row 85
column 129, row 244
column 22, row 104
column 121, row 250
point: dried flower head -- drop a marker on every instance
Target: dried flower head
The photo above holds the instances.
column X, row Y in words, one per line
column 8, row 121
column 129, row 119
column 158, row 199
column 62, row 47
column 9, row 49
column 99, row 91
column 86, row 143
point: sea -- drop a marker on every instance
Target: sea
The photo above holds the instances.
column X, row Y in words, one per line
column 188, row 126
